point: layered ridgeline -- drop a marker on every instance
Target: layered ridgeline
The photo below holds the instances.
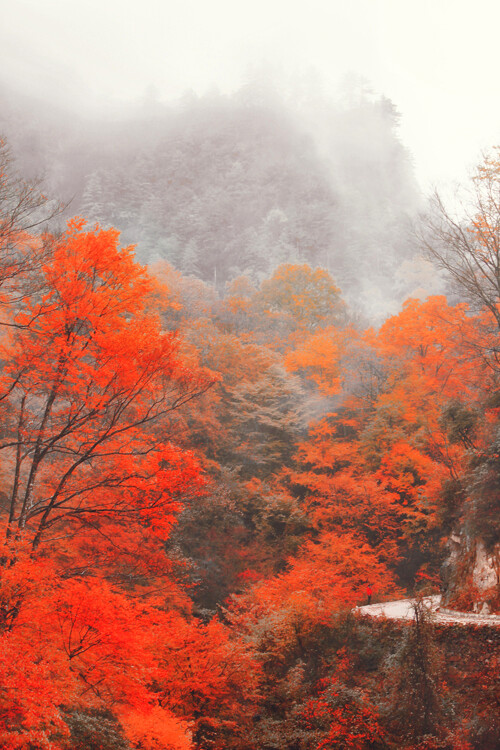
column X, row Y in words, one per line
column 225, row 185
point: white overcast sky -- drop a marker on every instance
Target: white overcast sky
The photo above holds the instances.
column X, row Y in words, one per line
column 436, row 59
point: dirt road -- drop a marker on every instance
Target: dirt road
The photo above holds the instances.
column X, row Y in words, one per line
column 403, row 610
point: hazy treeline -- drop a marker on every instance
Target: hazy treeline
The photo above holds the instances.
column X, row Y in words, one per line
column 224, row 185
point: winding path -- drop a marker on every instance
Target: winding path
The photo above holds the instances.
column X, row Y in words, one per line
column 403, row 610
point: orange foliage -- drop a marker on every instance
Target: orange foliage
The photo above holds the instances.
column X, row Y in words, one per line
column 319, row 359
column 342, row 718
column 327, row 577
column 308, row 295
column 98, row 461
column 90, row 372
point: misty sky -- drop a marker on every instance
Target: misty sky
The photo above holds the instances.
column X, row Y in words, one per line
column 436, row 59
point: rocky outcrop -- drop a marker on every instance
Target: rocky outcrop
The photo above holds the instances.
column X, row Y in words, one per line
column 472, row 576
column 486, row 578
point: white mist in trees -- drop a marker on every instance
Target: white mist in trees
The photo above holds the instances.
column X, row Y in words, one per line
column 24, row 209
column 93, row 204
column 255, row 180
column 377, row 194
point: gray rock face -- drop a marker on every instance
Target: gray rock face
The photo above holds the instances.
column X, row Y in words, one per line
column 472, row 571
column 486, row 571
column 482, row 609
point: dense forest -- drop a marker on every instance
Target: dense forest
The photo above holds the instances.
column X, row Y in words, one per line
column 221, row 186
column 216, row 440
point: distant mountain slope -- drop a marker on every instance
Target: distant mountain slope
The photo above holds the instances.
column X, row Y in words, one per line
column 221, row 186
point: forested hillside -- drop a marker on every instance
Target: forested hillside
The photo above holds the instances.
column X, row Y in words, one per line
column 224, row 185
column 208, row 462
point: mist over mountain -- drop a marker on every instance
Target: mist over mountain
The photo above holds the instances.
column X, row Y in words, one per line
column 210, row 463
column 222, row 185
